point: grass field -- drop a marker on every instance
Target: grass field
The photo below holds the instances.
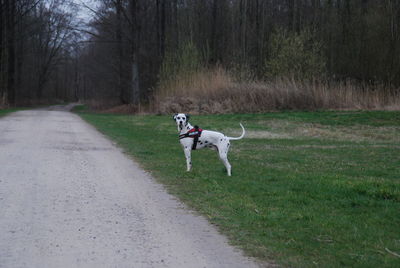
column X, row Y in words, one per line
column 308, row 188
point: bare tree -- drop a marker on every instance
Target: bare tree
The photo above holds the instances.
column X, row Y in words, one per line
column 10, row 34
column 146, row 35
column 135, row 47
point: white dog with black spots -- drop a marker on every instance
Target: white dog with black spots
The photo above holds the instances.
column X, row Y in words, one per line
column 207, row 139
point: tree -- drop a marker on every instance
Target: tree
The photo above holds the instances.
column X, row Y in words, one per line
column 135, row 48
column 148, row 38
column 10, row 34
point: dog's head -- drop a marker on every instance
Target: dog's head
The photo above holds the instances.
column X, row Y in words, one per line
column 181, row 120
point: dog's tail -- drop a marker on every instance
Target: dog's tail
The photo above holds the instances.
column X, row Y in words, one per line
column 241, row 136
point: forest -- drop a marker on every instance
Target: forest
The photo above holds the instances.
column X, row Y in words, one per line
column 202, row 55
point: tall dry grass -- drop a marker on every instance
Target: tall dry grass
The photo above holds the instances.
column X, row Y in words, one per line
column 215, row 91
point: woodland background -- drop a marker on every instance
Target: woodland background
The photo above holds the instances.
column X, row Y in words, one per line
column 202, row 55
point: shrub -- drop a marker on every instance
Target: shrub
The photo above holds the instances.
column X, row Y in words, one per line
column 297, row 55
column 183, row 62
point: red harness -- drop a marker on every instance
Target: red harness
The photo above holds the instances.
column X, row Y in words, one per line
column 194, row 133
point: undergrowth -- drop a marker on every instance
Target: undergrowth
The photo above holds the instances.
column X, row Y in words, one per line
column 216, row 91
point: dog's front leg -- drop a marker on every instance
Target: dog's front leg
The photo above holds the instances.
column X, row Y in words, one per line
column 188, row 159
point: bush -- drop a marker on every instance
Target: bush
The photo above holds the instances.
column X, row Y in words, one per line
column 297, row 55
column 183, row 62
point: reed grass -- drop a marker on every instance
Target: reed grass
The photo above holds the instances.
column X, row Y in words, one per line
column 216, row 91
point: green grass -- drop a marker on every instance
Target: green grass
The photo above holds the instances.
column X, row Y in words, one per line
column 80, row 108
column 3, row 112
column 308, row 188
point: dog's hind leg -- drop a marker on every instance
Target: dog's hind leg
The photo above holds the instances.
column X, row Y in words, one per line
column 188, row 159
column 223, row 155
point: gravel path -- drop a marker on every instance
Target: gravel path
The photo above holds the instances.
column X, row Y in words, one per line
column 70, row 198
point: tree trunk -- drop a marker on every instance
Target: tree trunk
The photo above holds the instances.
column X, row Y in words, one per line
column 118, row 7
column 135, row 47
column 10, row 34
column 214, row 49
column 1, row 55
column 176, row 21
column 291, row 15
column 243, row 34
column 158, row 20
column 162, row 26
column 19, row 59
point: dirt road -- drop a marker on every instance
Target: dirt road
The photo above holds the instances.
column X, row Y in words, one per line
column 70, row 198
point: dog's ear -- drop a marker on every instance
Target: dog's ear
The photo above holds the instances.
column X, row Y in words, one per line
column 174, row 117
column 187, row 117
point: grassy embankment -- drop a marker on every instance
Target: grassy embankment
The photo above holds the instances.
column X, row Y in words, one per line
column 308, row 188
